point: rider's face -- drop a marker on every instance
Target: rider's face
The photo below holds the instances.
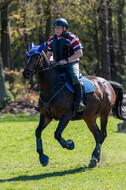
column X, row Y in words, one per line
column 58, row 30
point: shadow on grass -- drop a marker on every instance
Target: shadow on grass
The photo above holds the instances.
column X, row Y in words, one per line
column 47, row 175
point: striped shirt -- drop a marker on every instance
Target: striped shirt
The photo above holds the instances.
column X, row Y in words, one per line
column 71, row 40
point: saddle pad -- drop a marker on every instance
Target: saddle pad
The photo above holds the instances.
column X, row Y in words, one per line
column 88, row 86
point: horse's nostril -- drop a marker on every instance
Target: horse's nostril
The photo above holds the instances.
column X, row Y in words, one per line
column 26, row 74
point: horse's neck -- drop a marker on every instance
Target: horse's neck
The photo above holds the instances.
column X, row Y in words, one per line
column 49, row 77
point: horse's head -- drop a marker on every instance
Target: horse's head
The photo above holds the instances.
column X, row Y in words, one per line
column 35, row 62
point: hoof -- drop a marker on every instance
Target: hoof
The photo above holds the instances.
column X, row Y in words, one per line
column 44, row 160
column 93, row 163
column 70, row 145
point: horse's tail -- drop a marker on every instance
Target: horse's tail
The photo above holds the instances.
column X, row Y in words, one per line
column 117, row 110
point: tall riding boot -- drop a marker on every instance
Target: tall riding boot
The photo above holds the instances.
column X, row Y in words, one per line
column 79, row 96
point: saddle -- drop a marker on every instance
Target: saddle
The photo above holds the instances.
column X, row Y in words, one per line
column 87, row 87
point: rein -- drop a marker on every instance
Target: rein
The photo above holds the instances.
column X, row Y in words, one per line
column 36, row 71
column 56, row 84
column 39, row 64
column 48, row 68
column 47, row 104
column 33, row 72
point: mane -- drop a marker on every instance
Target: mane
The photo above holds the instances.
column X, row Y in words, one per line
column 47, row 64
column 46, row 60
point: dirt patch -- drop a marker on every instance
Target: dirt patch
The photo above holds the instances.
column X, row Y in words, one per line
column 21, row 105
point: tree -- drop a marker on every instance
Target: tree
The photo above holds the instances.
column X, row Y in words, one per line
column 113, row 69
column 120, row 10
column 95, row 23
column 104, row 47
column 5, row 40
column 43, row 11
column 4, row 4
column 3, row 91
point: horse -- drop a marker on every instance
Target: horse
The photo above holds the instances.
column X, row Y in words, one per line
column 57, row 102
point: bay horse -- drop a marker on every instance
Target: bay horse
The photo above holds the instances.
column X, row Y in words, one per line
column 56, row 101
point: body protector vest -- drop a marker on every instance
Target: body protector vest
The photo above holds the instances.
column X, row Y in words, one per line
column 61, row 47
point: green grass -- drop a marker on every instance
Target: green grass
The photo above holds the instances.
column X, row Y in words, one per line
column 20, row 168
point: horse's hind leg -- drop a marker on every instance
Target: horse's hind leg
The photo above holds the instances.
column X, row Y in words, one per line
column 103, row 134
column 99, row 136
column 92, row 125
column 44, row 121
column 104, row 120
column 69, row 144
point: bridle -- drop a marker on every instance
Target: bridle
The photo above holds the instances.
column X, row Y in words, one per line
column 36, row 70
column 39, row 64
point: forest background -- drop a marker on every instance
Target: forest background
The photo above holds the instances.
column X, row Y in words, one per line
column 100, row 25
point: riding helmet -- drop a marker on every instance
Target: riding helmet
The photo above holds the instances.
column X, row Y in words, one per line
column 60, row 22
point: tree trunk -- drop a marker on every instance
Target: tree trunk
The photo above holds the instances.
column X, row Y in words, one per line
column 113, row 70
column 41, row 36
column 96, row 45
column 104, row 47
column 5, row 41
column 44, row 36
column 3, row 91
column 48, row 21
column 4, row 4
column 120, row 36
column 25, row 33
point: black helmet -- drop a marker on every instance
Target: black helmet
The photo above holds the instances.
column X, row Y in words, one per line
column 60, row 22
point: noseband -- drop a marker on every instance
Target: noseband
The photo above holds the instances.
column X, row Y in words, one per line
column 36, row 69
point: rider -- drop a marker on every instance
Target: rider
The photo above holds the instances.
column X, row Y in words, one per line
column 66, row 49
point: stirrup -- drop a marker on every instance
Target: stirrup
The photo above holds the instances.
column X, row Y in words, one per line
column 81, row 107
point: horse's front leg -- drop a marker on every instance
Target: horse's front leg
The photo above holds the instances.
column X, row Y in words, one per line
column 42, row 124
column 69, row 144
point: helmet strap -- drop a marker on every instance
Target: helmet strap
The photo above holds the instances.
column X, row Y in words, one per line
column 63, row 31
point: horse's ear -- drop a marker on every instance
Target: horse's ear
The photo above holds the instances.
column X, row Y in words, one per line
column 32, row 45
column 40, row 49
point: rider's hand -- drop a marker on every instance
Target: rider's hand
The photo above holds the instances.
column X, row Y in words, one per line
column 62, row 62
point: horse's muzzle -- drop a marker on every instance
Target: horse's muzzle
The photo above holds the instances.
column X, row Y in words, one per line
column 27, row 74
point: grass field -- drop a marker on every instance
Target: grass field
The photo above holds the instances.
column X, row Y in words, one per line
column 20, row 168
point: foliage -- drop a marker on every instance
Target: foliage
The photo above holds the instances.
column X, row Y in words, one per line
column 31, row 20
column 19, row 88
column 19, row 163
column 4, row 103
column 83, row 19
